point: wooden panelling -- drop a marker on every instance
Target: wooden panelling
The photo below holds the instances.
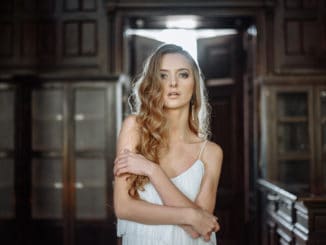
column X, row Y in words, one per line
column 80, row 38
column 300, row 4
column 46, row 5
column 38, row 39
column 221, row 109
column 55, row 35
column 89, row 5
column 80, row 5
column 29, row 5
column 290, row 4
column 29, row 39
column 47, row 39
column 71, row 5
column 310, row 35
column 308, row 4
column 300, row 37
column 40, row 6
column 6, row 40
column 71, row 38
column 323, row 33
column 299, row 42
column 88, row 38
column 292, row 38
column 320, row 222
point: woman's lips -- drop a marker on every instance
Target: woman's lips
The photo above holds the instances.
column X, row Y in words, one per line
column 173, row 94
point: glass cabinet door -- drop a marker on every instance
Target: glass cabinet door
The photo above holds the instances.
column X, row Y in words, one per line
column 293, row 135
column 90, row 143
column 7, row 169
column 93, row 117
column 293, row 138
column 47, row 143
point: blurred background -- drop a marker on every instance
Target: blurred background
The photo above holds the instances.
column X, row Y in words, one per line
column 66, row 67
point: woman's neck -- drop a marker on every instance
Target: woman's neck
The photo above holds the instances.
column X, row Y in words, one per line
column 178, row 125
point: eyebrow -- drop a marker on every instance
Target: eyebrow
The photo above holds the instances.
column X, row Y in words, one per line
column 180, row 69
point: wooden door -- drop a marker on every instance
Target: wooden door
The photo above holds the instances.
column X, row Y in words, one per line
column 140, row 48
column 220, row 61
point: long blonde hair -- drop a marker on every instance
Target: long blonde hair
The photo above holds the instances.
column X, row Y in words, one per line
column 148, row 105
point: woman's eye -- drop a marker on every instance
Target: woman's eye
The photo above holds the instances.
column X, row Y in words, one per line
column 184, row 75
column 163, row 76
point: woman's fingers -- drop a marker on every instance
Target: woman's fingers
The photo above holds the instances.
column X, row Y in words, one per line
column 128, row 162
column 120, row 165
column 211, row 226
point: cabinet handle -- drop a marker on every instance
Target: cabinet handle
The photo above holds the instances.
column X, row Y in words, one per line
column 79, row 185
column 58, row 185
column 79, row 117
column 272, row 197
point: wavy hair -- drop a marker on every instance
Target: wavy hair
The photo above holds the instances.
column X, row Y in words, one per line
column 146, row 101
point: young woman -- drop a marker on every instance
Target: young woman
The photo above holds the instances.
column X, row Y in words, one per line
column 166, row 171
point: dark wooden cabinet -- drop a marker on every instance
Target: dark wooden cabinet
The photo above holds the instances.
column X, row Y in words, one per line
column 292, row 196
column 293, row 138
column 288, row 218
column 57, row 187
column 52, row 35
column 300, row 36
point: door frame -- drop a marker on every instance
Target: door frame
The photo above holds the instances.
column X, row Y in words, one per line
column 122, row 16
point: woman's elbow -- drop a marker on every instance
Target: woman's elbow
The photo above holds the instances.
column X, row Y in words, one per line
column 121, row 208
column 120, row 214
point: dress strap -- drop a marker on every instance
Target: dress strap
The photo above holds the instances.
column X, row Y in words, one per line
column 202, row 149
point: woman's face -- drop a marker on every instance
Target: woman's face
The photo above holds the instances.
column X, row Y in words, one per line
column 177, row 79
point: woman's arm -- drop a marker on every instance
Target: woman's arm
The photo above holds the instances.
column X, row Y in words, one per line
column 129, row 162
column 212, row 157
column 140, row 211
column 129, row 208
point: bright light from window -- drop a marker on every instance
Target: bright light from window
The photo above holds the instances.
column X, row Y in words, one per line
column 182, row 23
column 184, row 38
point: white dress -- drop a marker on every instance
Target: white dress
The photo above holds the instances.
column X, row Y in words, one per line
column 134, row 233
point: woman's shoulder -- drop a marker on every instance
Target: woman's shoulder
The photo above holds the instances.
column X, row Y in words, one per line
column 212, row 151
column 128, row 136
column 130, row 127
column 130, row 123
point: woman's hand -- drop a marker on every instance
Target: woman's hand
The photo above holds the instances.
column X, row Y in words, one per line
column 132, row 163
column 191, row 232
column 204, row 223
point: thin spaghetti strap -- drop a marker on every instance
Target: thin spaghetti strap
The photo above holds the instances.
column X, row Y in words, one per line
column 202, row 149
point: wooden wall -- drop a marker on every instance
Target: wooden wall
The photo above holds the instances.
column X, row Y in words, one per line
column 300, row 37
column 77, row 35
column 53, row 35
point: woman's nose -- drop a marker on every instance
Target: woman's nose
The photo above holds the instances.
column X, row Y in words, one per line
column 173, row 82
